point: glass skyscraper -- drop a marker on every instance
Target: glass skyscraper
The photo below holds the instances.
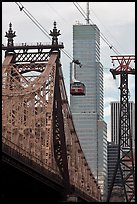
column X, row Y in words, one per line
column 115, row 111
column 112, row 160
column 87, row 110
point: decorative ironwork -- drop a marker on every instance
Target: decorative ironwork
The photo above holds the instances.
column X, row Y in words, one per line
column 36, row 117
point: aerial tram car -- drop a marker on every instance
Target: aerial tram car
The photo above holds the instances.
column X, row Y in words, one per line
column 76, row 87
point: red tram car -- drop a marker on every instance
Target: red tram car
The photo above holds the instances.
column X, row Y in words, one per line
column 77, row 88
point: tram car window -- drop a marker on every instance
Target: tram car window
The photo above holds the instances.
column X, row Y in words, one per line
column 77, row 88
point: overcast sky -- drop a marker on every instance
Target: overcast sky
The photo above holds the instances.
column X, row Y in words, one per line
column 116, row 21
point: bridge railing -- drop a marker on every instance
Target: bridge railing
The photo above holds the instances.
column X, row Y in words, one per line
column 21, row 155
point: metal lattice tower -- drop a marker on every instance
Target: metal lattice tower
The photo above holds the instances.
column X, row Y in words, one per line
column 125, row 162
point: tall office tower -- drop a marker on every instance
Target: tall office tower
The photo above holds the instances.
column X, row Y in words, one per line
column 117, row 193
column 112, row 160
column 87, row 108
column 115, row 110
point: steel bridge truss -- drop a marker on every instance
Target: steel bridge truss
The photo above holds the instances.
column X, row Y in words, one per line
column 36, row 116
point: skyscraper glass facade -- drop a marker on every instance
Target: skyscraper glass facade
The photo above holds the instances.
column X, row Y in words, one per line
column 112, row 161
column 87, row 110
column 115, row 112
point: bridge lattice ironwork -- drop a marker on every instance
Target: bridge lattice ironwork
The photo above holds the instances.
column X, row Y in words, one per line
column 36, row 118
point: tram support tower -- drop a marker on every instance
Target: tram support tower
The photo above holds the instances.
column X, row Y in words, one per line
column 125, row 161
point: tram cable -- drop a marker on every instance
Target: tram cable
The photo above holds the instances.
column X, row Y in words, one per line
column 34, row 20
column 101, row 34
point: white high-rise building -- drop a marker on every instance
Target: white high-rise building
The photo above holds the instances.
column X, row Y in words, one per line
column 115, row 112
column 87, row 110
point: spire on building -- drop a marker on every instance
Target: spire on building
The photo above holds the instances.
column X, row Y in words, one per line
column 87, row 19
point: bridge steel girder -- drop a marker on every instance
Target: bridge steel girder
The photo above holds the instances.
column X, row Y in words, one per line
column 37, row 121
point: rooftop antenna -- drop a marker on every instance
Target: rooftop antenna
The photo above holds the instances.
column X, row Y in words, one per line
column 87, row 19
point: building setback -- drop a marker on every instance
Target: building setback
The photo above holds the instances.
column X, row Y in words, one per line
column 87, row 110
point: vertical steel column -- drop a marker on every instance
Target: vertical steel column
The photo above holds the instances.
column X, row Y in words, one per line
column 125, row 159
column 59, row 140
